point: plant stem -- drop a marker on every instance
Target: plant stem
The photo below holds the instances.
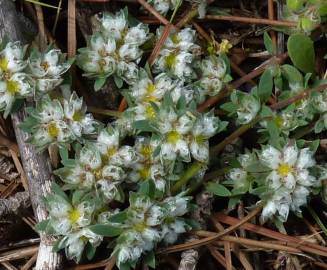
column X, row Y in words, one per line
column 317, row 219
column 189, row 173
column 112, row 113
column 237, row 133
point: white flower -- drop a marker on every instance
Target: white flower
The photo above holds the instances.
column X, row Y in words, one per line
column 65, row 217
column 278, row 204
column 113, row 24
column 80, row 123
column 137, row 35
column 128, row 71
column 213, row 67
column 130, row 52
column 12, row 58
column 248, row 106
column 75, row 243
column 146, row 90
column 289, row 181
column 104, row 46
column 174, row 130
column 18, row 85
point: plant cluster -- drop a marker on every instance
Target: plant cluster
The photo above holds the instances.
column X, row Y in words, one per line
column 128, row 182
column 25, row 78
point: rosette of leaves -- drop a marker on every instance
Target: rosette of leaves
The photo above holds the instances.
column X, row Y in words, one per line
column 114, row 49
column 59, row 122
column 15, row 84
column 47, row 69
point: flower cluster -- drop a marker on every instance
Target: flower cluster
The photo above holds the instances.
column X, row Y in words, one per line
column 47, row 69
column 213, row 75
column 14, row 83
column 100, row 167
column 178, row 54
column 149, row 223
column 284, row 178
column 59, row 122
column 113, row 49
column 25, row 78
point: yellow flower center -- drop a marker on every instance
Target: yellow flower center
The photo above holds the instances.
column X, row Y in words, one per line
column 45, row 65
column 284, row 169
column 279, row 121
column 3, row 63
column 146, row 151
column 74, row 215
column 200, row 139
column 53, row 130
column 98, row 174
column 77, row 116
column 175, row 39
column 145, row 172
column 13, row 87
column 150, row 90
column 150, row 113
column 140, row 227
column 170, row 61
column 173, row 137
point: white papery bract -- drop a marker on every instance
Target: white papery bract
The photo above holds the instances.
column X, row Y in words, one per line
column 177, row 54
column 47, row 69
column 247, row 106
column 148, row 165
column 213, row 75
column 114, row 49
column 289, row 180
column 147, row 90
column 66, row 216
column 14, row 83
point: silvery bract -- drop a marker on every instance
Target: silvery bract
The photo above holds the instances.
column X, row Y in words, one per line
column 14, row 83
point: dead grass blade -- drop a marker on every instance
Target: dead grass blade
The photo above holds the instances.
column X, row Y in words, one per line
column 291, row 240
column 212, row 238
column 71, row 31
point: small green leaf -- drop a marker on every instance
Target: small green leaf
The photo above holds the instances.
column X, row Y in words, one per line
column 150, row 259
column 144, row 125
column 265, row 86
column 119, row 217
column 118, row 81
column 99, row 83
column 292, row 74
column 90, row 251
column 106, row 230
column 301, row 51
column 148, row 188
column 218, row 189
column 268, row 43
column 55, row 188
column 42, row 225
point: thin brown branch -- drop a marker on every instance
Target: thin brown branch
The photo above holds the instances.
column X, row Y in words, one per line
column 251, row 20
column 155, row 13
column 210, row 239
